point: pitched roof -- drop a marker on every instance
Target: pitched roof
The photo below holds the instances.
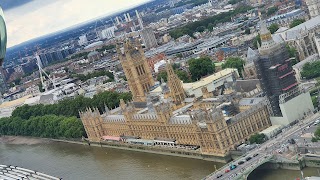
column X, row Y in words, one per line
column 251, row 55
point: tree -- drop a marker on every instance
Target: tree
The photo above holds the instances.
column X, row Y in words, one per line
column 71, row 107
column 272, row 10
column 234, row 62
column 247, row 31
column 179, row 55
column 48, row 126
column 162, row 75
column 257, row 138
column 292, row 54
column 296, row 22
column 317, row 133
column 256, row 40
column 200, row 67
column 234, row 1
column 208, row 23
column 313, row 139
column 273, row 28
column 183, row 76
column 83, row 77
column 311, row 70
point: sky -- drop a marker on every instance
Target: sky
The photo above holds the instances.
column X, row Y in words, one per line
column 36, row 18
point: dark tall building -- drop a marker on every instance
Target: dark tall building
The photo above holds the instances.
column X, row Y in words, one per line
column 274, row 70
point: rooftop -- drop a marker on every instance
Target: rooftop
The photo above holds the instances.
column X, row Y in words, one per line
column 250, row 101
column 204, row 81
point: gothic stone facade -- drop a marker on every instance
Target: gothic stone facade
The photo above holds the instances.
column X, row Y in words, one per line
column 207, row 129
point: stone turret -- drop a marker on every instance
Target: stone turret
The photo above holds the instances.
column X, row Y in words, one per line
column 268, row 45
column 175, row 85
column 136, row 69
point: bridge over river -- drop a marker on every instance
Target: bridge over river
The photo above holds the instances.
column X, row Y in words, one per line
column 265, row 153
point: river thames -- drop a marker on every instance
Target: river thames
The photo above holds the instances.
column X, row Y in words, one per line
column 72, row 161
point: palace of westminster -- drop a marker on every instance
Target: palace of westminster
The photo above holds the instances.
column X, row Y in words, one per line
column 216, row 113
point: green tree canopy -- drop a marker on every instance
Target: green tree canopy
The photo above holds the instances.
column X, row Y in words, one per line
column 247, row 31
column 256, row 40
column 311, row 70
column 163, row 75
column 71, row 107
column 272, row 10
column 296, row 22
column 208, row 23
column 234, row 62
column 292, row 54
column 83, row 77
column 273, row 28
column 47, row 126
column 257, row 138
column 183, row 76
column 317, row 132
column 200, row 67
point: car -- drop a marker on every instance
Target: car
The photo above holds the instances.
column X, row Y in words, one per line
column 255, row 155
column 232, row 167
column 219, row 175
column 240, row 162
column 248, row 158
column 227, row 170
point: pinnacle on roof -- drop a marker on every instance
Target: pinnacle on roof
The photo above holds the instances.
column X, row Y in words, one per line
column 263, row 28
column 251, row 55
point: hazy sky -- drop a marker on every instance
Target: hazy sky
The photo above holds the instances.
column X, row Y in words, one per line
column 41, row 17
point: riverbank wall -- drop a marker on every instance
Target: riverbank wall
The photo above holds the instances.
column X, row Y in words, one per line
column 155, row 150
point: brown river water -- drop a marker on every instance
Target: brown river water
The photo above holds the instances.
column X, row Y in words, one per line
column 72, row 161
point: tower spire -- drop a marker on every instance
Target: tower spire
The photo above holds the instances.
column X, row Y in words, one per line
column 136, row 69
column 268, row 45
column 175, row 85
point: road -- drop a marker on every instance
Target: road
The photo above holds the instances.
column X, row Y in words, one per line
column 267, row 149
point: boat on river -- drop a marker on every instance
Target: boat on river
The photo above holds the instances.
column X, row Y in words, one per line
column 8, row 172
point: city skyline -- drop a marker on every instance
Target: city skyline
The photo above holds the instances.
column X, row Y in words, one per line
column 21, row 19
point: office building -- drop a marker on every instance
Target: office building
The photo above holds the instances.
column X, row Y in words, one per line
column 314, row 7
column 148, row 38
column 83, row 40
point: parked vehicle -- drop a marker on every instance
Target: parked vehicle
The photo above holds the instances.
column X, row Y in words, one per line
column 255, row 155
column 240, row 162
column 219, row 176
column 227, row 170
column 232, row 167
column 248, row 158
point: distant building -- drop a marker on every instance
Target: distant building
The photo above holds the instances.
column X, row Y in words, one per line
column 148, row 38
column 288, row 101
column 314, row 7
column 3, row 85
column 108, row 33
column 93, row 56
column 287, row 18
column 303, row 38
column 52, row 56
column 83, row 40
column 155, row 59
